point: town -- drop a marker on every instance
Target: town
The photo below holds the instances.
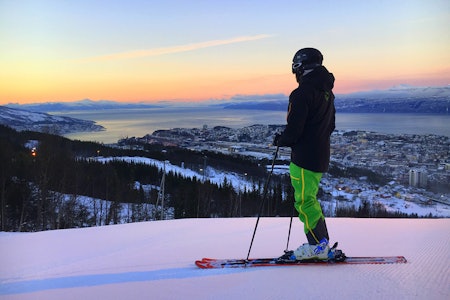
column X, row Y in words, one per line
column 417, row 166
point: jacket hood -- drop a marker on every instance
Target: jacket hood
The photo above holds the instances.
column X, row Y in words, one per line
column 320, row 79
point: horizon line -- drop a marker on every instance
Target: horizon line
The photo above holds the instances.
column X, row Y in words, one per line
column 267, row 96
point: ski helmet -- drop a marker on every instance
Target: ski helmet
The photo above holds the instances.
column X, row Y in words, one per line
column 305, row 59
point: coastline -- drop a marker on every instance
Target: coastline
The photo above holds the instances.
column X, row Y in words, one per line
column 124, row 123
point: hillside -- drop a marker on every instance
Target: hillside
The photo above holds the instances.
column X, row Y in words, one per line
column 20, row 120
column 50, row 182
column 154, row 260
column 85, row 104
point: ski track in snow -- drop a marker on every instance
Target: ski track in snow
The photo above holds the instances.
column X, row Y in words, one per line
column 154, row 260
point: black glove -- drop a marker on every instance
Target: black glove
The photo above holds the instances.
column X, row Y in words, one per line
column 276, row 139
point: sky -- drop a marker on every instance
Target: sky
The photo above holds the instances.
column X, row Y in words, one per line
column 193, row 50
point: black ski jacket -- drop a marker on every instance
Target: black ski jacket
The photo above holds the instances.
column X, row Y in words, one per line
column 310, row 121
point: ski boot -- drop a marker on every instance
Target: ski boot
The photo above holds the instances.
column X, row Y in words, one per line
column 312, row 253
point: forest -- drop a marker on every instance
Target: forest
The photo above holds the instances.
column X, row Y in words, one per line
column 43, row 176
column 39, row 171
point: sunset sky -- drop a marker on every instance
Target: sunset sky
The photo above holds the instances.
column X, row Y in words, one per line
column 190, row 50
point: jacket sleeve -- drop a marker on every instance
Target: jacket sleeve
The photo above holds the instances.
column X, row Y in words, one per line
column 296, row 117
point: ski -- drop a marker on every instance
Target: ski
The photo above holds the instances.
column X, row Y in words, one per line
column 212, row 263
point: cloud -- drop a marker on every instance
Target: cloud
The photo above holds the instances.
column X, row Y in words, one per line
column 175, row 49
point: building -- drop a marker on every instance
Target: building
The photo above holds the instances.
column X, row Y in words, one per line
column 417, row 178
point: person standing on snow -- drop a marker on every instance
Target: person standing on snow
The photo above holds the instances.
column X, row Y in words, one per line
column 310, row 122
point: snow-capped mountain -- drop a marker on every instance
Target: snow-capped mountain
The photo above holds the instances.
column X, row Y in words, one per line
column 36, row 121
column 398, row 99
column 404, row 91
column 85, row 104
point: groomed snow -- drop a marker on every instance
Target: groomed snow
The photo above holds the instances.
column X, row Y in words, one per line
column 155, row 260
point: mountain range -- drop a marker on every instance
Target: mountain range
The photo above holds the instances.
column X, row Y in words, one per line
column 399, row 99
column 20, row 119
column 85, row 104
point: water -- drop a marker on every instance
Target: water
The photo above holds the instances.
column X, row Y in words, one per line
column 139, row 122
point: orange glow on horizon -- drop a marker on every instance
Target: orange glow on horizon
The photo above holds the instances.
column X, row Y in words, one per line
column 180, row 90
column 160, row 52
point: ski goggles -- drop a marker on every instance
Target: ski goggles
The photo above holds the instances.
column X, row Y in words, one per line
column 297, row 68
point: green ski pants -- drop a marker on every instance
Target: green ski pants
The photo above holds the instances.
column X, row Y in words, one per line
column 306, row 186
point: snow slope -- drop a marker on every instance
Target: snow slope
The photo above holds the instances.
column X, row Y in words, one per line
column 240, row 182
column 154, row 260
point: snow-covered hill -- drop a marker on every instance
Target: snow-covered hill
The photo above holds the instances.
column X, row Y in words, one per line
column 85, row 104
column 37, row 121
column 398, row 99
column 421, row 206
column 154, row 260
column 404, row 91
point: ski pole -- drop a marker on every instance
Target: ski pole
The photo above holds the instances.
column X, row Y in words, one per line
column 290, row 227
column 266, row 187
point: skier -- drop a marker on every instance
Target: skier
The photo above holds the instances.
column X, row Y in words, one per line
column 310, row 122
